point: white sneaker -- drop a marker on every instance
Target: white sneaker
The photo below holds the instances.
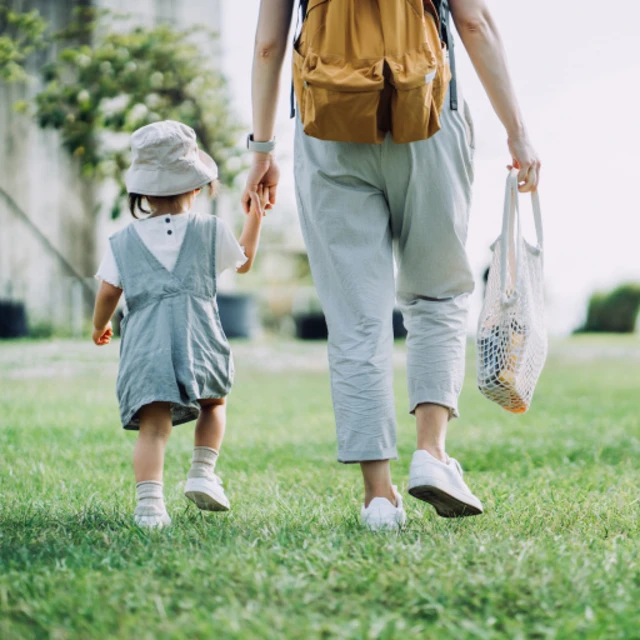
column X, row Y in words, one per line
column 442, row 486
column 381, row 514
column 151, row 516
column 207, row 493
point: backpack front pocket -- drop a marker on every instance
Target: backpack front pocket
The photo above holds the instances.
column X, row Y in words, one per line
column 338, row 100
column 414, row 113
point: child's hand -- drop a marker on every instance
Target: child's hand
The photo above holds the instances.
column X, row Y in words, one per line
column 102, row 336
column 262, row 194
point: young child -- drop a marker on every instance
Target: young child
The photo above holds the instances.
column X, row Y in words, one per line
column 175, row 361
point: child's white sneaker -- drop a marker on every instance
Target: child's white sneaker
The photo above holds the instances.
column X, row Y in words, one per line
column 151, row 516
column 382, row 514
column 207, row 492
column 150, row 510
column 442, row 486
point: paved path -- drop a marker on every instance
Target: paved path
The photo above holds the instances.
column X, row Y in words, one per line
column 66, row 358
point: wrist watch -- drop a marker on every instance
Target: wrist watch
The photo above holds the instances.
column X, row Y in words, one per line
column 260, row 147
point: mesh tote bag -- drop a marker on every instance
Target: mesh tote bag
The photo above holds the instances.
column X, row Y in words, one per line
column 512, row 336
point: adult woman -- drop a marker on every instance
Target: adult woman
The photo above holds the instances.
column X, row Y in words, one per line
column 359, row 203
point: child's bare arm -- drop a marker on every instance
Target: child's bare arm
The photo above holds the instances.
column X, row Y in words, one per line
column 250, row 237
column 106, row 303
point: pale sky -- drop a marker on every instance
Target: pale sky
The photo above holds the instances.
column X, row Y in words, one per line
column 576, row 68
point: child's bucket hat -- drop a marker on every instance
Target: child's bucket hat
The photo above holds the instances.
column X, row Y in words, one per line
column 166, row 161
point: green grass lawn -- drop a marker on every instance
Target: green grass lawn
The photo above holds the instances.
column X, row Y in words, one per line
column 557, row 554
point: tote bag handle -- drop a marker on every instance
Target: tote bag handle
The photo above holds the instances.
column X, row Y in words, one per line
column 510, row 247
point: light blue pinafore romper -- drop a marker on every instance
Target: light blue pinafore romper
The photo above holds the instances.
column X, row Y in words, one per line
column 173, row 348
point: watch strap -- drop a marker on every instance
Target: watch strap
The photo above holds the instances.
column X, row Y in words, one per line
column 260, row 147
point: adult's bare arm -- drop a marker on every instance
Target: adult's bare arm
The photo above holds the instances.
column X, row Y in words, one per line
column 271, row 40
column 482, row 41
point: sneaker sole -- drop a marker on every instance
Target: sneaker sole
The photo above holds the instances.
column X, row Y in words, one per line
column 205, row 501
column 388, row 524
column 150, row 522
column 446, row 504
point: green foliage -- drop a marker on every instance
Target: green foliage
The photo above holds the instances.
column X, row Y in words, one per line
column 122, row 79
column 556, row 555
column 615, row 312
column 20, row 35
column 41, row 330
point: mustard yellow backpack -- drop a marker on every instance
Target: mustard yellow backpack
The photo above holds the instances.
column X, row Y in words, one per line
column 365, row 67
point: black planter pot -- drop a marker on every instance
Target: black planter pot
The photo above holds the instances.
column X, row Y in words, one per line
column 13, row 320
column 312, row 326
column 399, row 330
column 237, row 314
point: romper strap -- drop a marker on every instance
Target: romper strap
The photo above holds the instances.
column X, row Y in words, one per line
column 212, row 252
column 121, row 247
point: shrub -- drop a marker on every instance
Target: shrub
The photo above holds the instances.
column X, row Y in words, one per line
column 614, row 312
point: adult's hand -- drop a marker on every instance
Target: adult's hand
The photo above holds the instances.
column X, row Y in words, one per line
column 526, row 160
column 264, row 172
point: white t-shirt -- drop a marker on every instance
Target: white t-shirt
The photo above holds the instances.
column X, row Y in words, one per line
column 163, row 236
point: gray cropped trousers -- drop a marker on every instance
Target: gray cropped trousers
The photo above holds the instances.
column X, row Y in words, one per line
column 361, row 205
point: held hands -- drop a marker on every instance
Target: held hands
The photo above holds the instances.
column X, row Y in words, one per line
column 260, row 202
column 102, row 336
column 526, row 160
column 264, row 171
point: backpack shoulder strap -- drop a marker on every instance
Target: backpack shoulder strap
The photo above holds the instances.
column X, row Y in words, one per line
column 303, row 8
column 301, row 15
column 444, row 13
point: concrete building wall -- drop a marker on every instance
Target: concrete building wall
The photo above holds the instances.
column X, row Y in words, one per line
column 43, row 181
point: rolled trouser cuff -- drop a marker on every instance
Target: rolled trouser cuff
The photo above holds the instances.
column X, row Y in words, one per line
column 352, row 456
column 446, row 399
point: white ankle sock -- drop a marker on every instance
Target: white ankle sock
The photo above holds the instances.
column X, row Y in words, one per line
column 150, row 496
column 203, row 463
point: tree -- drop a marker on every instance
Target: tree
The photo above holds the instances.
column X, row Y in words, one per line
column 97, row 93
column 20, row 36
